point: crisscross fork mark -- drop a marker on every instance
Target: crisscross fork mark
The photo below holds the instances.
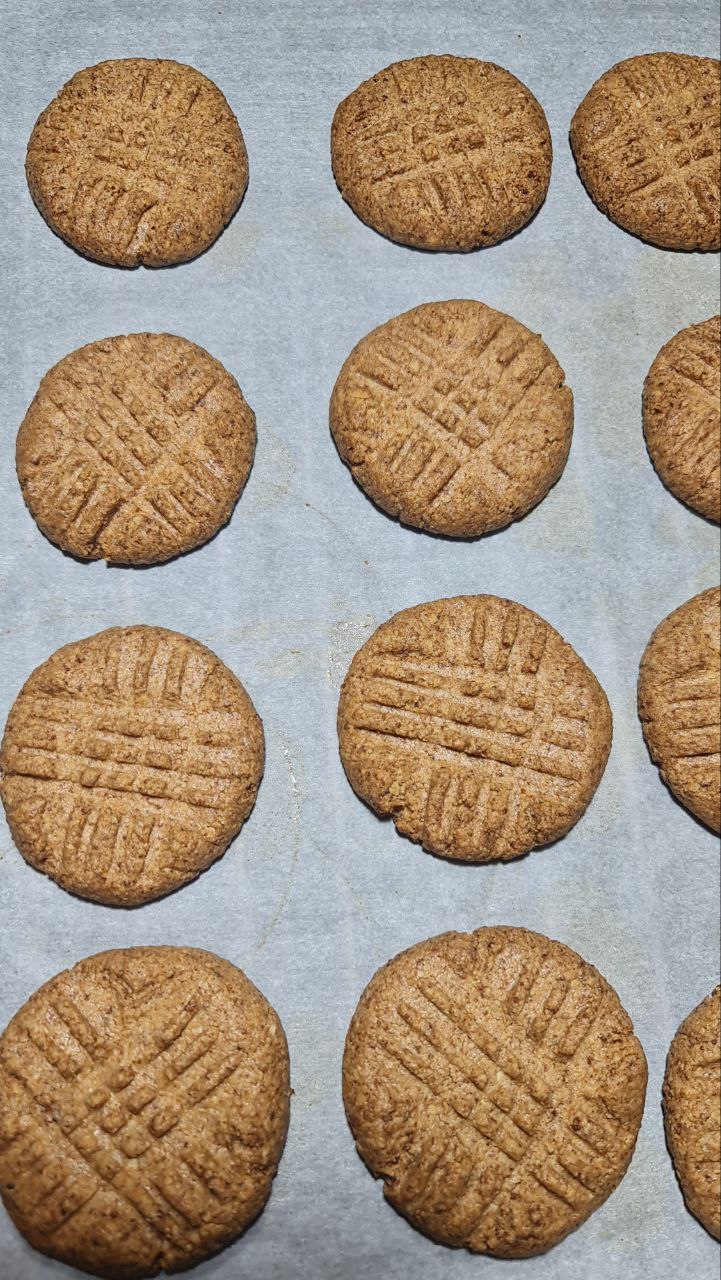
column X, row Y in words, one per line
column 429, row 417
column 448, row 993
column 511, row 1144
column 542, row 715
column 463, row 135
column 439, row 369
column 700, row 387
column 212, row 1079
column 170, row 448
column 448, row 449
column 138, row 473
column 670, row 171
column 162, row 716
column 158, row 758
column 443, row 369
column 128, row 115
column 461, row 738
column 478, row 715
column 156, row 785
column 566, row 760
column 154, row 732
column 525, row 1139
column 66, row 1138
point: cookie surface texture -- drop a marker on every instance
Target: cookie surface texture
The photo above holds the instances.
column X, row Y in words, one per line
column 473, row 725
column 442, row 152
column 494, row 1082
column 144, row 1099
column 453, row 417
column 646, row 142
column 135, row 449
column 692, row 1110
column 137, row 161
column 679, row 703
column 129, row 761
column 682, row 416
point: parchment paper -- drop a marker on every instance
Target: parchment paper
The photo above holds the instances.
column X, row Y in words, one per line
column 317, row 892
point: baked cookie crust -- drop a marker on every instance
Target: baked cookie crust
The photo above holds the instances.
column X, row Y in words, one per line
column 138, row 161
column 441, row 152
column 474, row 726
column 494, row 1083
column 144, row 1100
column 646, row 142
column 679, row 703
column 453, row 417
column 682, row 416
column 692, row 1110
column 130, row 760
column 135, row 449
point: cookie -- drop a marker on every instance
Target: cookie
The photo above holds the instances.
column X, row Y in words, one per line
column 679, row 703
column 692, row 1110
column 646, row 142
column 682, row 416
column 135, row 449
column 442, row 152
column 474, row 726
column 130, row 761
column 453, row 417
column 144, row 1098
column 137, row 161
column 494, row 1082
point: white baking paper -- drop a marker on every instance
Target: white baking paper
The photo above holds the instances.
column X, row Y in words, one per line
column 317, row 892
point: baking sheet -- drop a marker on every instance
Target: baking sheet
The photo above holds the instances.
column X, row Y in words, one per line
column 317, row 892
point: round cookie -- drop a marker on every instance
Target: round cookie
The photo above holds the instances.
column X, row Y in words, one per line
column 442, row 152
column 692, row 1110
column 135, row 449
column 494, row 1082
column 453, row 417
column 679, row 703
column 137, row 161
column 646, row 142
column 130, row 761
column 682, row 416
column 473, row 725
column 144, row 1100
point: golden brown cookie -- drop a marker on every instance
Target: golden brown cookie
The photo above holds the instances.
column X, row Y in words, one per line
column 474, row 726
column 692, row 1110
column 679, row 702
column 646, row 142
column 442, row 152
column 682, row 416
column 453, row 417
column 494, row 1082
column 135, row 449
column 130, row 761
column 138, row 161
column 144, row 1099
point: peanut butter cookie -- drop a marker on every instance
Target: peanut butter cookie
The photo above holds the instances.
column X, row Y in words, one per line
column 679, row 702
column 442, row 152
column 138, row 161
column 682, row 416
column 646, row 142
column 144, row 1098
column 474, row 726
column 692, row 1110
column 494, row 1083
column 130, row 761
column 135, row 449
column 453, row 417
